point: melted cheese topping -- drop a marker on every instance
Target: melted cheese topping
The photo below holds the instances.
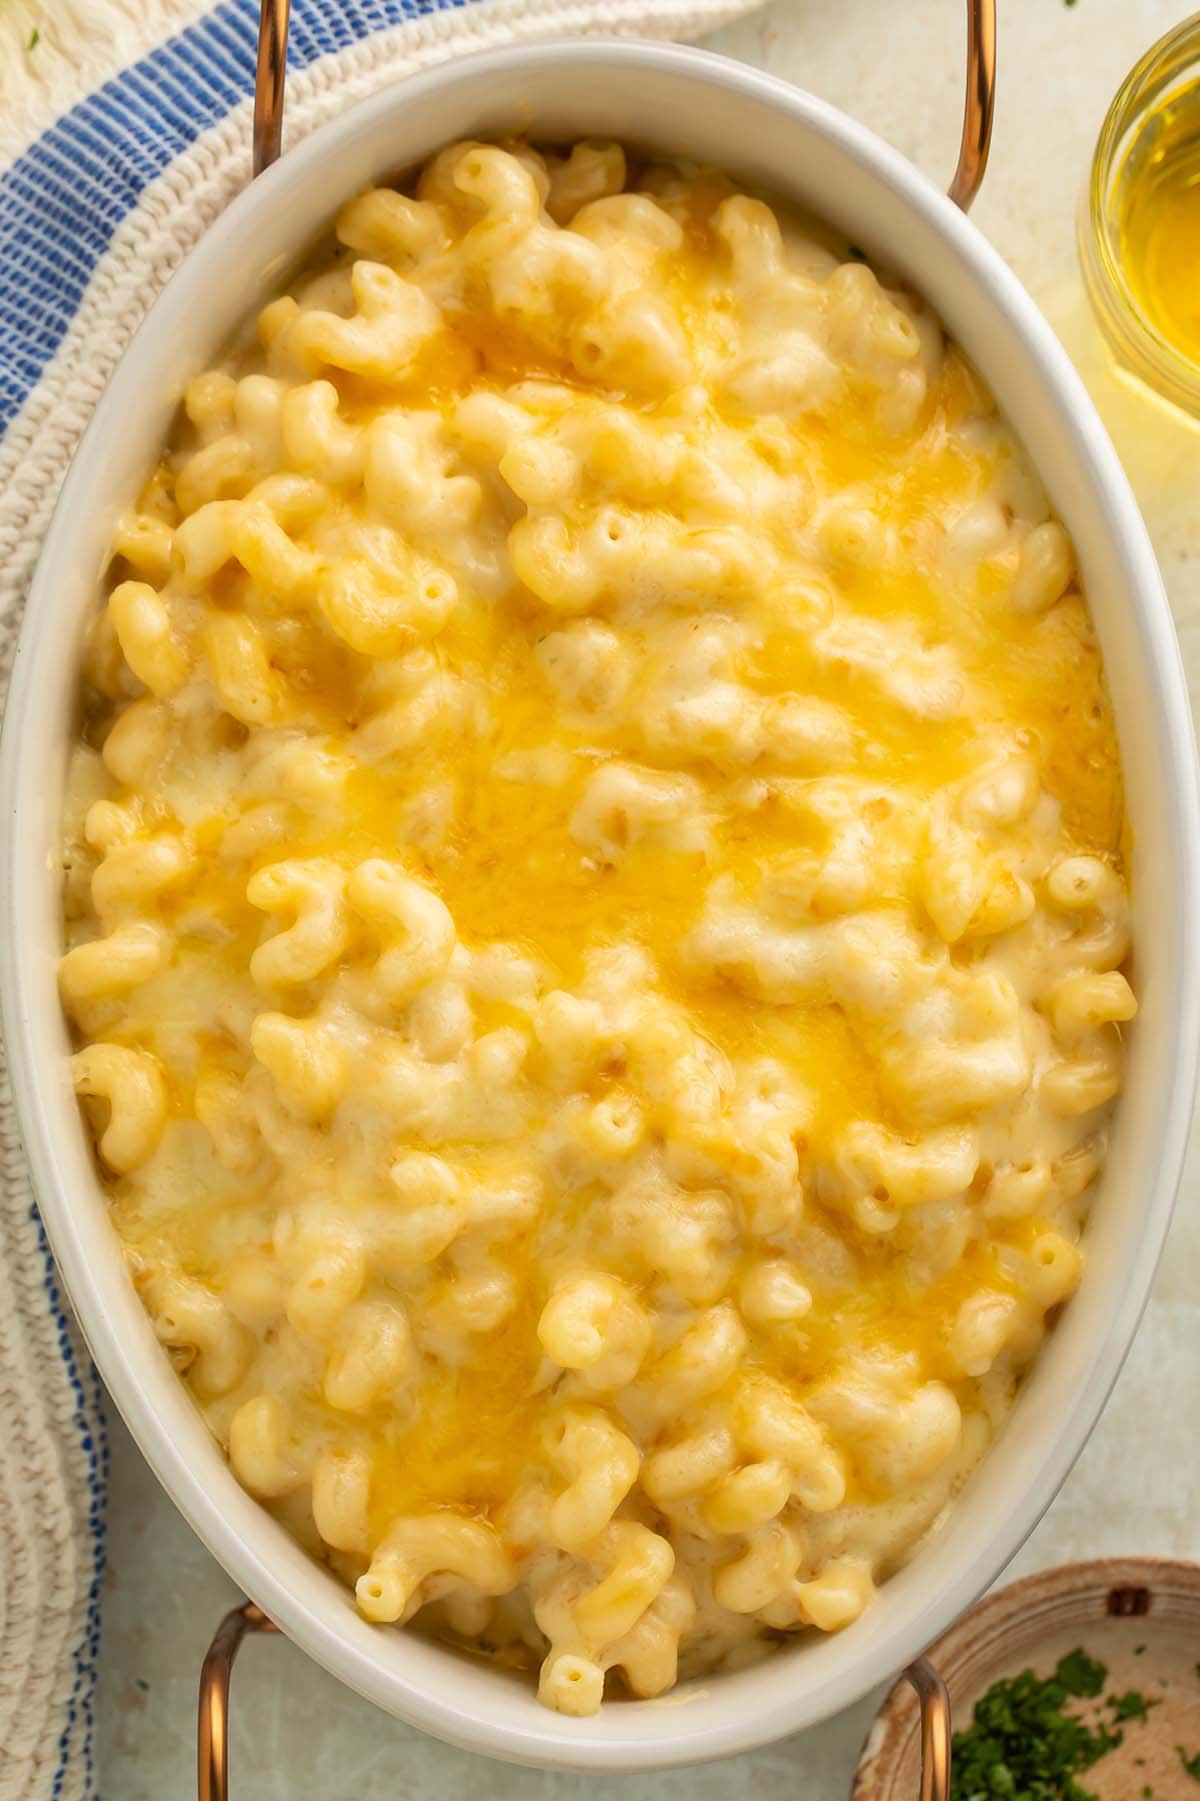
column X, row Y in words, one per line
column 595, row 911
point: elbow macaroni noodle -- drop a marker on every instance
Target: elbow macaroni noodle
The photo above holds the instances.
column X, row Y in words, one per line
column 596, row 915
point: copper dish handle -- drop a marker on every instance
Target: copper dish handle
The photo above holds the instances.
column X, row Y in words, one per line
column 978, row 110
column 212, row 1734
column 979, row 107
column 934, row 1697
column 269, row 77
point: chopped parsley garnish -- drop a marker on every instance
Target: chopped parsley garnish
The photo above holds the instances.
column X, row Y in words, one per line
column 1023, row 1744
column 34, row 39
column 1080, row 1675
column 1131, row 1706
column 1190, row 1764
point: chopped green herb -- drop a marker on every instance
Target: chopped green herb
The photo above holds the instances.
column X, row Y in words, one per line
column 1147, row 1792
column 1138, row 1649
column 1190, row 1764
column 35, row 38
column 1023, row 1746
column 1131, row 1706
column 860, row 256
column 1079, row 1675
column 1068, row 2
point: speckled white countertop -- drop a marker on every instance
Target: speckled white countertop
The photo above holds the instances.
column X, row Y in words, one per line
column 297, row 1734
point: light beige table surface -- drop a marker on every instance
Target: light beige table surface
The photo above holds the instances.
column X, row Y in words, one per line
column 297, row 1733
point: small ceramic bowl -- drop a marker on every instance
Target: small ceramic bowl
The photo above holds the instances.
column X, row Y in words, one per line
column 1138, row 1616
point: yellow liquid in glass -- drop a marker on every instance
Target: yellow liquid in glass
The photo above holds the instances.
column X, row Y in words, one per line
column 1160, row 235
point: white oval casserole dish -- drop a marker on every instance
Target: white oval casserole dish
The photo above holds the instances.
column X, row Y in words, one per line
column 765, row 133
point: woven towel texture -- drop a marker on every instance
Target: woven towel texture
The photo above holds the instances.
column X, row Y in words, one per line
column 98, row 204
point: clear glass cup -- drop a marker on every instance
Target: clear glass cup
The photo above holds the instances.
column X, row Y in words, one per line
column 1155, row 109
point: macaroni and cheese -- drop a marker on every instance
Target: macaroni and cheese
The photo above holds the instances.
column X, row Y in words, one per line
column 596, row 914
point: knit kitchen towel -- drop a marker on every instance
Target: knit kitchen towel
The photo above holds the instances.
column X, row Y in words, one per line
column 124, row 130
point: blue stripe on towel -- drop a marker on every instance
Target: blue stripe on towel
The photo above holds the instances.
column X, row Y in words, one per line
column 91, row 1444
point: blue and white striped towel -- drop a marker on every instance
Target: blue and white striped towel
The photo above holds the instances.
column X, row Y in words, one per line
column 124, row 129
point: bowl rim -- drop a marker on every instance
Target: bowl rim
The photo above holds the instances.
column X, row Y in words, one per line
column 159, row 1426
